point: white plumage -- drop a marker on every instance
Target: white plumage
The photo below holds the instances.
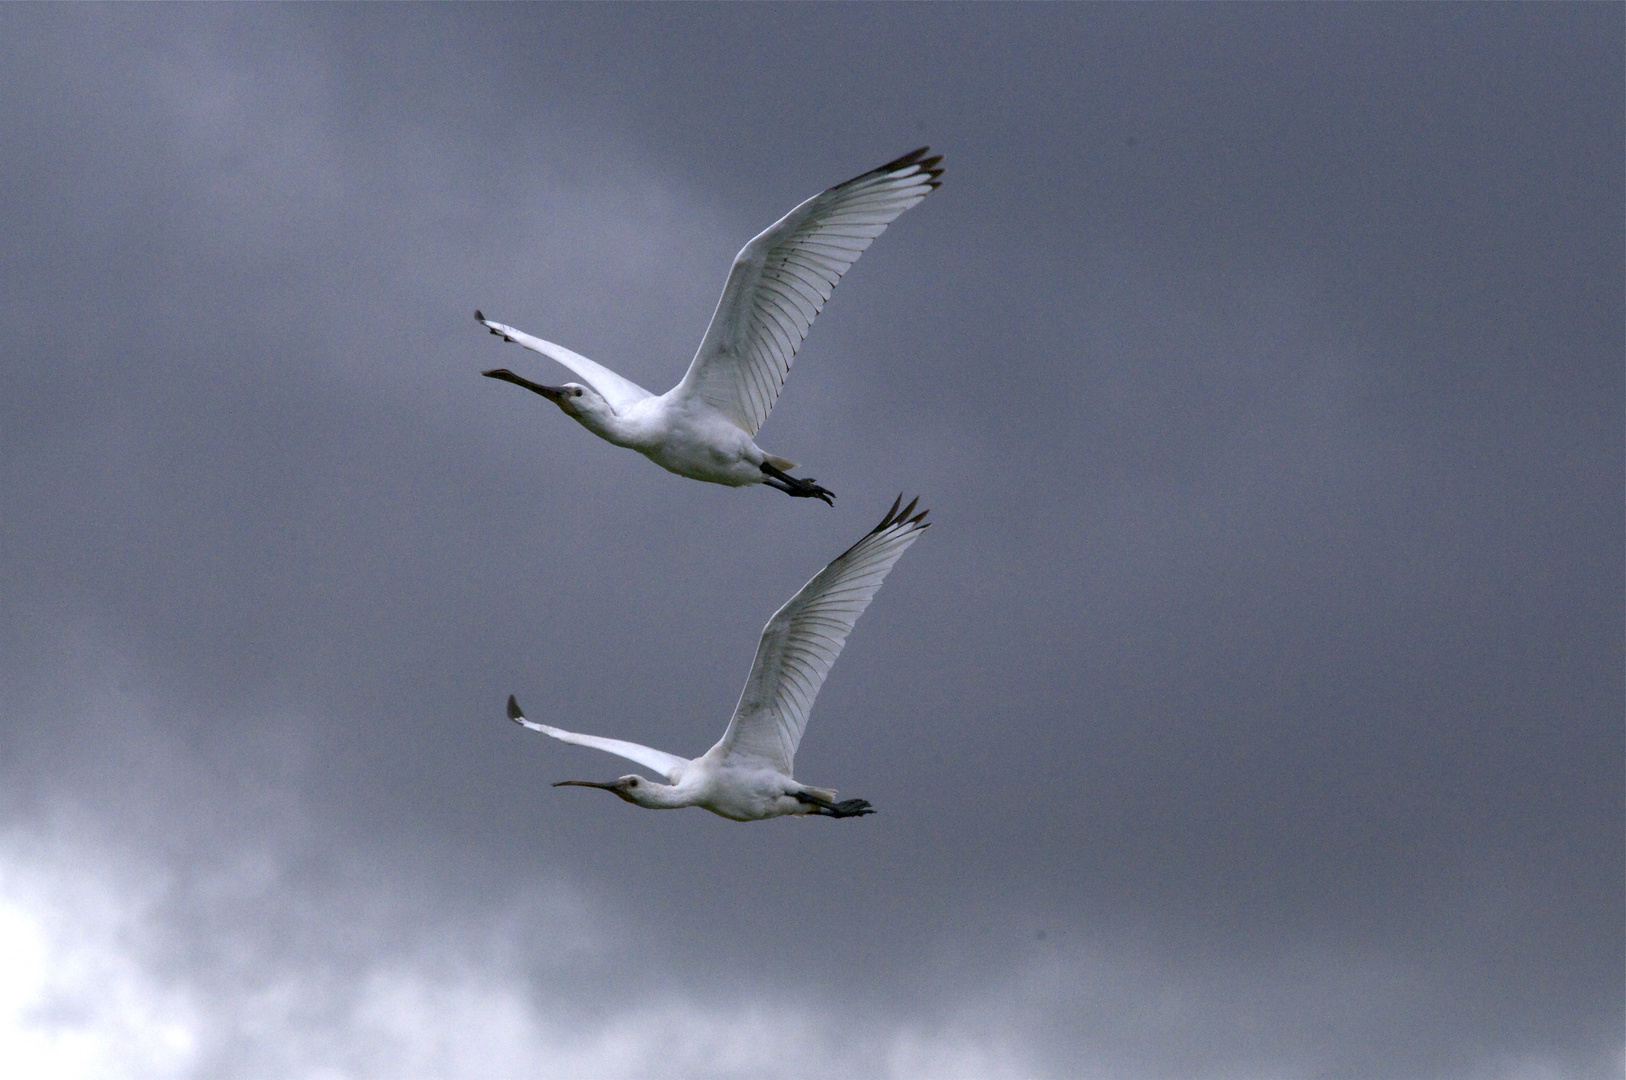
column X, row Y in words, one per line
column 748, row 774
column 704, row 427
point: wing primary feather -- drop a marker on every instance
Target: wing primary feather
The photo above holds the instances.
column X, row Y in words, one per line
column 917, row 158
column 788, row 272
column 804, row 638
column 619, row 391
column 669, row 765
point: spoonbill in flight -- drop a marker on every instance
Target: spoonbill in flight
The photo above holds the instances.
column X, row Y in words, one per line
column 704, row 427
column 747, row 775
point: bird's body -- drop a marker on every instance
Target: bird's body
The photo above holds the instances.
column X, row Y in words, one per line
column 689, row 441
column 705, row 426
column 735, row 790
column 747, row 775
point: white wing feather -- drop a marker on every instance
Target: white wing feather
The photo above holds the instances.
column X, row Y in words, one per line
column 668, row 765
column 619, row 392
column 802, row 640
column 780, row 282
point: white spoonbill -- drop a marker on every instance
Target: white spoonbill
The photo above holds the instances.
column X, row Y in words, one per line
column 747, row 775
column 703, row 427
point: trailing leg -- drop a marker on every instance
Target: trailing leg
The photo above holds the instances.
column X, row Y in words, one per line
column 795, row 485
column 825, row 808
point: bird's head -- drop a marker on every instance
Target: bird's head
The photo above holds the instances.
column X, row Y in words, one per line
column 634, row 789
column 586, row 406
column 571, row 397
column 575, row 399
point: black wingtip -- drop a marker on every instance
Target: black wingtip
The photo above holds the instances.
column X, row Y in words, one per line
column 514, row 712
column 911, row 158
column 932, row 167
column 479, row 316
column 927, row 168
column 894, row 515
column 888, row 518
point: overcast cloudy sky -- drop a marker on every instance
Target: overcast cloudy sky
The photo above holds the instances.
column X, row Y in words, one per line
column 1253, row 711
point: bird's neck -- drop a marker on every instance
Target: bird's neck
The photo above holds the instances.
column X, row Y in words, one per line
column 655, row 796
column 608, row 426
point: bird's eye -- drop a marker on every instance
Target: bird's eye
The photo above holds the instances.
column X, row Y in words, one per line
column 578, row 392
column 633, row 782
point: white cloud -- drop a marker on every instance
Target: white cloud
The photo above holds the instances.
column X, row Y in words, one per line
column 75, row 1001
column 89, row 988
column 87, row 991
column 166, row 918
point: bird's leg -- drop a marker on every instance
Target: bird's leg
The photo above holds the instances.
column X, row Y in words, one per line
column 825, row 808
column 795, row 485
column 799, row 491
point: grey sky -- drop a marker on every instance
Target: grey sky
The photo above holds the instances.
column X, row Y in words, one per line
column 1254, row 709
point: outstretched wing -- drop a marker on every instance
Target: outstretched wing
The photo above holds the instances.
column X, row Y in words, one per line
column 803, row 639
column 780, row 281
column 668, row 765
column 619, row 392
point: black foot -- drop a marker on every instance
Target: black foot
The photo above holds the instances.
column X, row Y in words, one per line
column 851, row 808
column 796, row 486
column 826, row 808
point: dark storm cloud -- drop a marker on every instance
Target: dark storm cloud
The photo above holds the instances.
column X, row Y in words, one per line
column 1262, row 369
